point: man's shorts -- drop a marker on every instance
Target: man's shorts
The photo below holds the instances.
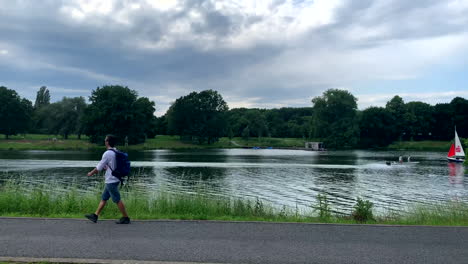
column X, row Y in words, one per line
column 111, row 190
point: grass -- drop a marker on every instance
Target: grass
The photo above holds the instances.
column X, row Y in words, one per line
column 173, row 142
column 51, row 142
column 45, row 142
column 420, row 145
column 17, row 198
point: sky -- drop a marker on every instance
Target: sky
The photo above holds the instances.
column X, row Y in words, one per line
column 256, row 54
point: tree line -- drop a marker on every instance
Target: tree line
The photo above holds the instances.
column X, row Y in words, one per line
column 112, row 110
column 203, row 117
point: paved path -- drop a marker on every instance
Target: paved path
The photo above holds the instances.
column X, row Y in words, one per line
column 228, row 242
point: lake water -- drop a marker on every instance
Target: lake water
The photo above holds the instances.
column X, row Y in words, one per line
column 280, row 177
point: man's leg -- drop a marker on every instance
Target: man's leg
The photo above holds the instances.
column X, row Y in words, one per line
column 104, row 197
column 121, row 206
column 100, row 207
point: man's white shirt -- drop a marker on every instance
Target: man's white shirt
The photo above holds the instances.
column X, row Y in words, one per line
column 108, row 160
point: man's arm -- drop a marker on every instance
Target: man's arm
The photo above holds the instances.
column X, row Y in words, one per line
column 94, row 171
column 101, row 165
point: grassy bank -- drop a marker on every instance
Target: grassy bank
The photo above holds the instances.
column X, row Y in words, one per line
column 45, row 142
column 19, row 199
column 420, row 145
column 51, row 142
column 173, row 142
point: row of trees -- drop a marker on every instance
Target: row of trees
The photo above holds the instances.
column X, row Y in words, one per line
column 333, row 119
column 337, row 121
column 112, row 109
column 203, row 117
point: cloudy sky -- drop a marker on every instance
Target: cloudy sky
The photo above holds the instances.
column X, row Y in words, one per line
column 255, row 53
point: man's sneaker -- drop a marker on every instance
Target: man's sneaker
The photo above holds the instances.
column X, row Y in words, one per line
column 92, row 217
column 123, row 220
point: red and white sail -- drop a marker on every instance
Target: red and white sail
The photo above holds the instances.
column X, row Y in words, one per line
column 458, row 147
column 451, row 152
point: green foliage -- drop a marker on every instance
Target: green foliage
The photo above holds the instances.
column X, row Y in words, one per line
column 443, row 124
column 118, row 110
column 374, row 124
column 323, row 207
column 20, row 198
column 283, row 122
column 200, row 117
column 204, row 118
column 61, row 118
column 335, row 119
column 460, row 116
column 363, row 211
column 42, row 98
column 15, row 113
column 418, row 120
column 246, row 133
column 396, row 108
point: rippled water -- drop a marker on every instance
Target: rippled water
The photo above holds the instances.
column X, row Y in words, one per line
column 281, row 177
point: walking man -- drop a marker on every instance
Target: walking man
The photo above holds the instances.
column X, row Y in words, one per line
column 111, row 189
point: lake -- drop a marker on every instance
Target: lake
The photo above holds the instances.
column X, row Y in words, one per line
column 280, row 177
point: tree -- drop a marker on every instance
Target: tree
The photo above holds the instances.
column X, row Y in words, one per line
column 246, row 133
column 42, row 97
column 66, row 116
column 443, row 125
column 397, row 109
column 418, row 120
column 256, row 122
column 373, row 126
column 117, row 110
column 198, row 117
column 61, row 118
column 15, row 112
column 334, row 118
column 161, row 125
column 460, row 116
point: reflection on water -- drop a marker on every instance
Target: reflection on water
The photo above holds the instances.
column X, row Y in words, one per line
column 282, row 177
column 456, row 173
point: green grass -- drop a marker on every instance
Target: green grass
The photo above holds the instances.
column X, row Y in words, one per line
column 17, row 198
column 174, row 142
column 420, row 145
column 47, row 142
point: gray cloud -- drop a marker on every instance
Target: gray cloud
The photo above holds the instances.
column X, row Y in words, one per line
column 275, row 54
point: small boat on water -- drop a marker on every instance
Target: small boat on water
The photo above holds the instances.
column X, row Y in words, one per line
column 456, row 153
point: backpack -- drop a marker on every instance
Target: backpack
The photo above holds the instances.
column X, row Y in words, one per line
column 122, row 165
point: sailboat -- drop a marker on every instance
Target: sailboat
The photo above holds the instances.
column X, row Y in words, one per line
column 456, row 153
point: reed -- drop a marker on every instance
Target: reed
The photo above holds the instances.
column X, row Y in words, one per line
column 18, row 198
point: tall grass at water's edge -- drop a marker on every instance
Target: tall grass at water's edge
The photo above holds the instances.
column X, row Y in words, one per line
column 18, row 199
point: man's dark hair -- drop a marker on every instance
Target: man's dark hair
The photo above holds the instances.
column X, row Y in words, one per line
column 111, row 139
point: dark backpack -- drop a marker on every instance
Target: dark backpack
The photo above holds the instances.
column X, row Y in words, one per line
column 123, row 165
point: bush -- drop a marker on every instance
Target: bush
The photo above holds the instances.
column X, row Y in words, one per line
column 363, row 211
column 323, row 207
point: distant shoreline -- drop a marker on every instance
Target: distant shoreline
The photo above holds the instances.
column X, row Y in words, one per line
column 50, row 142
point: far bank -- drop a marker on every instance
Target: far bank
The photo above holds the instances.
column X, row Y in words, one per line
column 52, row 142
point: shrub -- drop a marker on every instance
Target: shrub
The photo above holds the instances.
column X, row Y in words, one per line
column 363, row 211
column 323, row 207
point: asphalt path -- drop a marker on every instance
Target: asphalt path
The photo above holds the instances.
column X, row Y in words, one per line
column 231, row 242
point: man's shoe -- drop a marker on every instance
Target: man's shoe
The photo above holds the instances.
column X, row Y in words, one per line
column 123, row 220
column 92, row 217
